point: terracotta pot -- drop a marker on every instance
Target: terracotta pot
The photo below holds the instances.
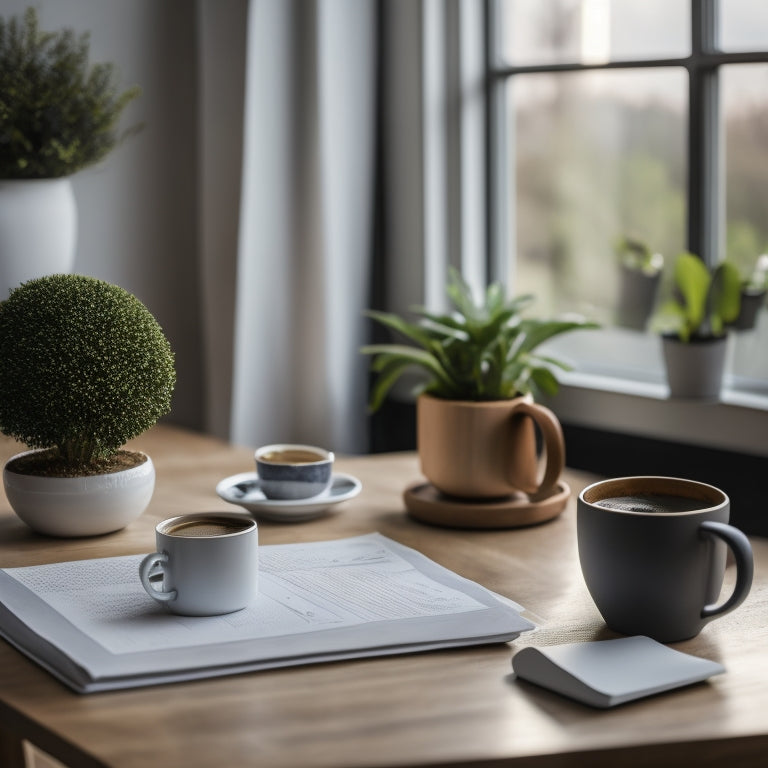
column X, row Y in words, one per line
column 488, row 449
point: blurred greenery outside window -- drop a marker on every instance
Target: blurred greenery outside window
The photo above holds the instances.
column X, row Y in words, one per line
column 594, row 135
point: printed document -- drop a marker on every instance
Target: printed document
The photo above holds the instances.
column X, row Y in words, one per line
column 91, row 623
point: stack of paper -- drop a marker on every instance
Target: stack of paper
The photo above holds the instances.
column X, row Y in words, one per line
column 91, row 624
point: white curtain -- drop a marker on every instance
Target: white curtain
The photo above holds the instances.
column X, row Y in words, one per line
column 306, row 224
column 300, row 222
column 288, row 134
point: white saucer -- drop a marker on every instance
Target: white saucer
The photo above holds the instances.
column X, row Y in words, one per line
column 244, row 490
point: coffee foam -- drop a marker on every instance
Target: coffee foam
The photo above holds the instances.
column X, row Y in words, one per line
column 652, row 503
column 203, row 528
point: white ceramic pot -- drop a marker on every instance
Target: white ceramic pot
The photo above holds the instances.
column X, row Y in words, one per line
column 80, row 506
column 38, row 230
column 695, row 368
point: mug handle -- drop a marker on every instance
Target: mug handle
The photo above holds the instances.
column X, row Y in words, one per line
column 152, row 566
column 554, row 445
column 739, row 544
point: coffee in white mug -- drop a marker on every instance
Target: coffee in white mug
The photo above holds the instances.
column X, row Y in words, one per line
column 205, row 564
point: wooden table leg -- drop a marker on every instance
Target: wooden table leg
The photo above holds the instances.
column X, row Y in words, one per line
column 11, row 752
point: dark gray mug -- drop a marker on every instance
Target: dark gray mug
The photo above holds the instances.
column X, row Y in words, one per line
column 653, row 553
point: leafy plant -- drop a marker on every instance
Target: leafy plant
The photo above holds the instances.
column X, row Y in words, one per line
column 57, row 114
column 704, row 302
column 480, row 351
column 636, row 255
column 86, row 367
column 758, row 279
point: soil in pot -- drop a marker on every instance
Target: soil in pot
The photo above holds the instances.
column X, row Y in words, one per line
column 48, row 463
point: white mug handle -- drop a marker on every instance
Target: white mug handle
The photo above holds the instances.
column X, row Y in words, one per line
column 152, row 566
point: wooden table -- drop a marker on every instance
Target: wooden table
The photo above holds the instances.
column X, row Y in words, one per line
column 457, row 707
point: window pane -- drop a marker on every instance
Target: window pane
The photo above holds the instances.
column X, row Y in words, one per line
column 744, row 99
column 593, row 31
column 599, row 155
column 744, row 25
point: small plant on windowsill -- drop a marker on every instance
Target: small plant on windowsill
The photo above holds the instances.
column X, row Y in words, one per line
column 694, row 324
column 636, row 256
column 86, row 367
column 640, row 273
column 703, row 303
column 758, row 280
column 753, row 293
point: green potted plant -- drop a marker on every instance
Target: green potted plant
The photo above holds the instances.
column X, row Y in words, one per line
column 480, row 370
column 58, row 115
column 694, row 325
column 86, row 367
column 640, row 272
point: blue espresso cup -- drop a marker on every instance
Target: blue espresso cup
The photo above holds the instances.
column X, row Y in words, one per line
column 291, row 471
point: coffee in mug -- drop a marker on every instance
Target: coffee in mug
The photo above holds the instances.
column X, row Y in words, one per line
column 292, row 456
column 288, row 471
column 206, row 527
column 653, row 553
column 651, row 503
column 205, row 564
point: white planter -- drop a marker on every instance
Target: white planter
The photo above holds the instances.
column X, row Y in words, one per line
column 38, row 230
column 695, row 369
column 80, row 506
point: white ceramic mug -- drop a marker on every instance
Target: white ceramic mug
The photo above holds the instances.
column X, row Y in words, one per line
column 205, row 564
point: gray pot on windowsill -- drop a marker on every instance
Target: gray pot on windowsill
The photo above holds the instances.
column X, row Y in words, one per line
column 637, row 297
column 751, row 302
column 695, row 368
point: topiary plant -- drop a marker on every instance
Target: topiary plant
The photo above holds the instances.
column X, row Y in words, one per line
column 57, row 114
column 85, row 367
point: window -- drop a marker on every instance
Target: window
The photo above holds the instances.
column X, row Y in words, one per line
column 639, row 118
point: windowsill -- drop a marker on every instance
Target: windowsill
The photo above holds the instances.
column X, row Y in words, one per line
column 738, row 422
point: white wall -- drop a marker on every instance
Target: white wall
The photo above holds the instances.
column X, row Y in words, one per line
column 137, row 210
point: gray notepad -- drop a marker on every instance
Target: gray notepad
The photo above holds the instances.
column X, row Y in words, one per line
column 609, row 672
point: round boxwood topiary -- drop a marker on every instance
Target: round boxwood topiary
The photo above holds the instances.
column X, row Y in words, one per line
column 85, row 367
